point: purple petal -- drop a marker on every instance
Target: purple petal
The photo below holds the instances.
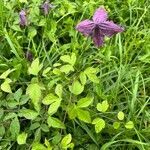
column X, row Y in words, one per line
column 98, row 37
column 100, row 15
column 23, row 19
column 86, row 27
column 109, row 28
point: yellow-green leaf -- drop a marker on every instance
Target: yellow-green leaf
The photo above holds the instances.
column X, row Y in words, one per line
column 103, row 106
column 120, row 115
column 129, row 125
column 5, row 86
column 76, row 87
column 35, row 67
column 66, row 140
column 83, row 115
column 21, row 139
column 85, row 102
column 55, row 123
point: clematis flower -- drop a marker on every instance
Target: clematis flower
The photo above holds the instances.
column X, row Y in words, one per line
column 23, row 19
column 99, row 27
column 46, row 7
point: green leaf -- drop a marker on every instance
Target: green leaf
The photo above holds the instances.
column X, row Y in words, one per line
column 129, row 125
column 91, row 70
column 120, row 115
column 83, row 115
column 21, row 139
column 91, row 74
column 116, row 125
column 93, row 78
column 56, row 71
column 65, row 58
column 2, row 130
column 14, row 128
column 103, row 106
column 85, row 102
column 34, row 92
column 53, row 107
column 66, row 141
column 46, row 71
column 72, row 112
column 44, row 127
column 55, row 123
column 58, row 90
column 99, row 124
column 31, row 32
column 6, row 73
column 73, row 59
column 28, row 114
column 49, row 99
column 23, row 1
column 5, row 86
column 35, row 67
column 38, row 146
column 66, row 69
column 83, row 78
column 17, row 94
column 76, row 87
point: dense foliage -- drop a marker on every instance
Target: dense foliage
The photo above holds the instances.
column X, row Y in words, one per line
column 59, row 91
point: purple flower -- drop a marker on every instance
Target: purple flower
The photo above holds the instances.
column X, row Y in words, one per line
column 98, row 27
column 46, row 6
column 23, row 19
column 29, row 56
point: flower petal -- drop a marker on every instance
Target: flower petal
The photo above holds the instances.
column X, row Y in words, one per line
column 109, row 28
column 98, row 38
column 85, row 27
column 100, row 15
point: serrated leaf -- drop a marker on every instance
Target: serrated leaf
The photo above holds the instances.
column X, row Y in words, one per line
column 99, row 124
column 120, row 115
column 5, row 86
column 34, row 92
column 14, row 128
column 116, row 125
column 53, row 107
column 66, row 140
column 76, row 88
column 58, row 90
column 102, row 106
column 55, row 123
column 129, row 125
column 83, row 78
column 6, row 73
column 28, row 114
column 35, row 67
column 66, row 69
column 21, row 139
column 85, row 102
column 83, row 115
